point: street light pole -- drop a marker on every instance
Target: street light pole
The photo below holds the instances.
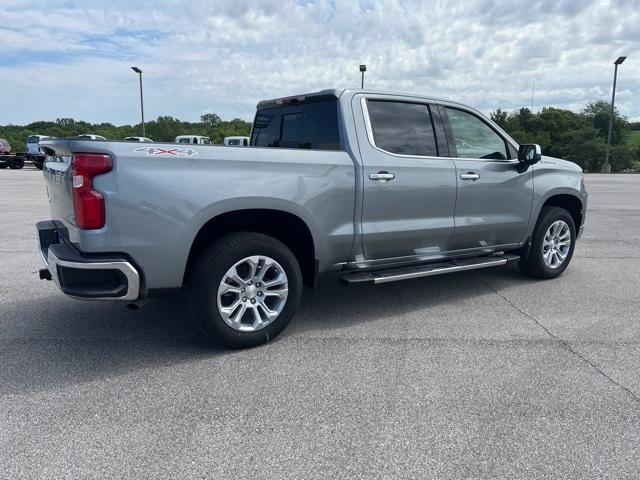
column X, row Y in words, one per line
column 363, row 68
column 606, row 166
column 139, row 72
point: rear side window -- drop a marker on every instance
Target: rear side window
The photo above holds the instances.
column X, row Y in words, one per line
column 402, row 128
column 306, row 125
column 33, row 139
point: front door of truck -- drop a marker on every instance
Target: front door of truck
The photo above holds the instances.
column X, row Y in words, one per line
column 409, row 192
column 494, row 196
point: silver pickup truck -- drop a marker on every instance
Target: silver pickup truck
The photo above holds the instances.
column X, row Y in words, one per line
column 374, row 187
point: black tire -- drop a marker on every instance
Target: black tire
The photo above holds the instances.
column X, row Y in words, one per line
column 3, row 165
column 39, row 165
column 16, row 164
column 208, row 271
column 533, row 263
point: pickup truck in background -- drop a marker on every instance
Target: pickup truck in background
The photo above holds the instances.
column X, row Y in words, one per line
column 374, row 187
column 193, row 139
column 236, row 141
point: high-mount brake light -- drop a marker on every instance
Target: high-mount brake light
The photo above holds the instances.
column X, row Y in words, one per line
column 88, row 204
column 290, row 100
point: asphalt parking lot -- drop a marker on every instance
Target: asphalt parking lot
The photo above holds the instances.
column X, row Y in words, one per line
column 472, row 375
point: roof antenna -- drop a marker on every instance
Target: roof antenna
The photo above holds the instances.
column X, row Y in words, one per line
column 363, row 68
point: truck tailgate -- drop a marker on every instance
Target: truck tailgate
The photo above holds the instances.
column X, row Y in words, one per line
column 57, row 176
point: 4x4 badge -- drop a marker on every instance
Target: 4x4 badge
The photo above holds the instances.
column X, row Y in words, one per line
column 176, row 152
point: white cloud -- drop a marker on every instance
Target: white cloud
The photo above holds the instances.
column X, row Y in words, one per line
column 224, row 56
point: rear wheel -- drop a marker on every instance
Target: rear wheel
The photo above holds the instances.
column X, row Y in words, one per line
column 3, row 165
column 16, row 164
column 244, row 289
column 39, row 165
column 552, row 244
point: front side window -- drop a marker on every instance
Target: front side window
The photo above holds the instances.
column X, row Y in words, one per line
column 474, row 138
column 402, row 128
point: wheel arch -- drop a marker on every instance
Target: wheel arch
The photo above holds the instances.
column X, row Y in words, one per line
column 570, row 202
column 283, row 225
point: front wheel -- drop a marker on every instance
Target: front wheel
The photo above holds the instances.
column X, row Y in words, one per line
column 244, row 289
column 552, row 244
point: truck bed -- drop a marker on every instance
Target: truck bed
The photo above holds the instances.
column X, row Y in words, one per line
column 158, row 196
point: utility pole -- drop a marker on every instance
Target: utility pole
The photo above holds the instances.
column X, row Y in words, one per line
column 606, row 166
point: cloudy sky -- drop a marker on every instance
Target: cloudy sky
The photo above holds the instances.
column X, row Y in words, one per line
column 72, row 58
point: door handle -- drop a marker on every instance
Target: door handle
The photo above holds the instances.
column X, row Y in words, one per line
column 382, row 176
column 470, row 176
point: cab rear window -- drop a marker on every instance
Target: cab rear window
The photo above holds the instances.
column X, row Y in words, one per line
column 312, row 125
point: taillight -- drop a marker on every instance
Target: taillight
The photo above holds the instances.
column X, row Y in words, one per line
column 87, row 203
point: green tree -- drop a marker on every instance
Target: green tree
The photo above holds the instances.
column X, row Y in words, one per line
column 501, row 118
column 211, row 120
column 578, row 137
column 599, row 113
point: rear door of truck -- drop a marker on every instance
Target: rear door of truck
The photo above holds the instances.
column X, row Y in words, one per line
column 409, row 190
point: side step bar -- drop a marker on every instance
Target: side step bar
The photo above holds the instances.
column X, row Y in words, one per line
column 406, row 273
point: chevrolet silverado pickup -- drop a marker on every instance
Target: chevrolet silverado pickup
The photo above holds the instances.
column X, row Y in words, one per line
column 374, row 187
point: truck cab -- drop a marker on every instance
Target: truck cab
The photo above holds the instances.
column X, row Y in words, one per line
column 35, row 154
column 33, row 144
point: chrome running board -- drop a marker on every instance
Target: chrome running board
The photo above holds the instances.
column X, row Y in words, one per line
column 405, row 273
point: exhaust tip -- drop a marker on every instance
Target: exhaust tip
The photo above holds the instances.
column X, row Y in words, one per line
column 133, row 306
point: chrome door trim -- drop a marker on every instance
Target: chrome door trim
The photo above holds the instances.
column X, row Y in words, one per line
column 372, row 142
